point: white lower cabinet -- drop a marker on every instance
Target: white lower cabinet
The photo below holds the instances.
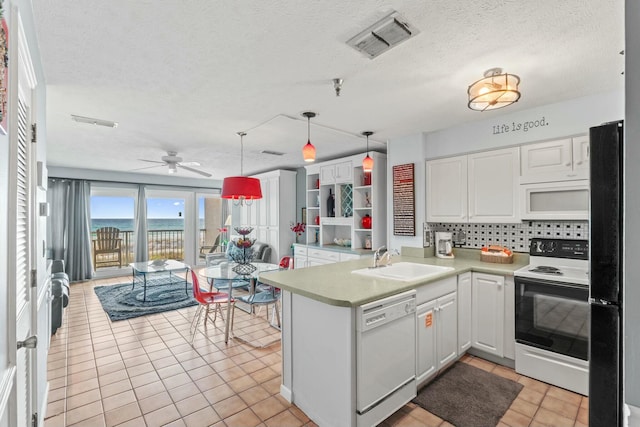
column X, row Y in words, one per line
column 464, row 312
column 437, row 345
column 308, row 256
column 487, row 313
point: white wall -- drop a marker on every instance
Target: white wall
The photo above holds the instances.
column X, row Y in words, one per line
column 497, row 129
column 136, row 178
column 632, row 206
column 409, row 149
column 561, row 119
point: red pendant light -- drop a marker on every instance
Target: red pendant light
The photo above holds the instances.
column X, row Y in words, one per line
column 242, row 189
column 367, row 162
column 309, row 151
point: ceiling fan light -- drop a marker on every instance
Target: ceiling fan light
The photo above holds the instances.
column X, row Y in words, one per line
column 495, row 90
column 309, row 152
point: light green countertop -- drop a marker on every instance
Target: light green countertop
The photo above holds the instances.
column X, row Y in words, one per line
column 334, row 284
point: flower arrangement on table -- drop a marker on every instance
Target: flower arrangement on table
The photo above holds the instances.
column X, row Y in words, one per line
column 223, row 231
column 242, row 251
column 298, row 229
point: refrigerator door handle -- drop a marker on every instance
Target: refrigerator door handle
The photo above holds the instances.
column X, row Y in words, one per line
column 598, row 301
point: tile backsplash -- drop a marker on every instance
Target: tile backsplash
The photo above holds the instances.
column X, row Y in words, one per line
column 515, row 236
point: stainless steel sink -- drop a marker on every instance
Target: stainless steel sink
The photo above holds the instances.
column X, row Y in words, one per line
column 403, row 271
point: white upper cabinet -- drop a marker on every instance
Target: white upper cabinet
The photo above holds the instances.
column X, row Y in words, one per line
column 481, row 187
column 446, row 184
column 581, row 153
column 562, row 159
column 336, row 173
column 493, row 186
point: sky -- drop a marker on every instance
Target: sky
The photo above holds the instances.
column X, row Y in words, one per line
column 123, row 207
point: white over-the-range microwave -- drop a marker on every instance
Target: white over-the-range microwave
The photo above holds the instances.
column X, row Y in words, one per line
column 558, row 200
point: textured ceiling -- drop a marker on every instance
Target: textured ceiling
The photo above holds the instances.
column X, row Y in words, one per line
column 187, row 75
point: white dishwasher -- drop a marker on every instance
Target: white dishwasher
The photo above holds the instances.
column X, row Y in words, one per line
column 385, row 357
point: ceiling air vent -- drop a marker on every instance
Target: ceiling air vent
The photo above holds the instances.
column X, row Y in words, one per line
column 383, row 35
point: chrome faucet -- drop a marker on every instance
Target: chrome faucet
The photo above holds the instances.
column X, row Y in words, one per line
column 376, row 257
column 387, row 255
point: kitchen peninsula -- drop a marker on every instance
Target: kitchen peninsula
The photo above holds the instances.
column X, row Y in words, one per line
column 327, row 316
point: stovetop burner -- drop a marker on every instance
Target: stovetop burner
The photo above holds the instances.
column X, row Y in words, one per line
column 545, row 269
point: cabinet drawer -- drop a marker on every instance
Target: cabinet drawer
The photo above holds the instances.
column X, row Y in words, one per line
column 436, row 289
column 299, row 250
column 324, row 255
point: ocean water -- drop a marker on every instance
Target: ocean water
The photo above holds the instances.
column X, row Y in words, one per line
column 129, row 225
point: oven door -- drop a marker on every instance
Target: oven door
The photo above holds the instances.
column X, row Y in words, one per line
column 553, row 316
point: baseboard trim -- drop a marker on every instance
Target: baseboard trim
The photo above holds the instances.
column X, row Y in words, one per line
column 286, row 393
column 631, row 415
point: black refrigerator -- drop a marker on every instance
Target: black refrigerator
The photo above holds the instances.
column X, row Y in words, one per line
column 606, row 255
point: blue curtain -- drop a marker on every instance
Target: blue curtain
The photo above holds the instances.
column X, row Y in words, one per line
column 68, row 228
column 142, row 248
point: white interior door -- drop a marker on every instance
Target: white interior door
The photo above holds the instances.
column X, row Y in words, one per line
column 21, row 240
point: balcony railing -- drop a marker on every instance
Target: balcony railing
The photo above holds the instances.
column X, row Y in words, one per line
column 162, row 244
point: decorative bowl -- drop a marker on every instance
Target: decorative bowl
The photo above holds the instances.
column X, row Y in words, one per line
column 158, row 262
column 342, row 242
column 243, row 231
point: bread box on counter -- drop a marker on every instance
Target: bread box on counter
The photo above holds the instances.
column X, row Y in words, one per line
column 496, row 254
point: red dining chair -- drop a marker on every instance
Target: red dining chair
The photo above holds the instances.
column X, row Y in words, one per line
column 205, row 300
column 286, row 263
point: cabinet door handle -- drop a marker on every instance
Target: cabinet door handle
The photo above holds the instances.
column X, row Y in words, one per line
column 568, row 164
column 580, row 162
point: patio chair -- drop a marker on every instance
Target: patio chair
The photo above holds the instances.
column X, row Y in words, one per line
column 107, row 242
column 211, row 249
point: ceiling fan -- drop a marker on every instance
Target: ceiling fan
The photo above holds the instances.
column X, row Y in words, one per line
column 174, row 162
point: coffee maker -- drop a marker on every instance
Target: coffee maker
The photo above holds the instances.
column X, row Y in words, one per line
column 444, row 245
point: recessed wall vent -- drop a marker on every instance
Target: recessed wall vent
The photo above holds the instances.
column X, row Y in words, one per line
column 385, row 34
column 272, row 153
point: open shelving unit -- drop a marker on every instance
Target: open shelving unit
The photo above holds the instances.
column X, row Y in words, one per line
column 354, row 198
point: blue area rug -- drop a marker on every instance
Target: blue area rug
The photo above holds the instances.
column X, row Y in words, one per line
column 163, row 294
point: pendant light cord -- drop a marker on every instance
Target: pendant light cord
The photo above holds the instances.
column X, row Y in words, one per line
column 242, row 134
column 308, row 128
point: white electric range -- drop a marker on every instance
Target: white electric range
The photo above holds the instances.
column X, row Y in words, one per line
column 552, row 313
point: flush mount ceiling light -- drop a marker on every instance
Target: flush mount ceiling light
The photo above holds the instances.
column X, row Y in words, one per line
column 92, row 121
column 385, row 34
column 241, row 189
column 367, row 162
column 309, row 151
column 495, row 90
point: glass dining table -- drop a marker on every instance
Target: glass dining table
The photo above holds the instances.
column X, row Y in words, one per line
column 225, row 271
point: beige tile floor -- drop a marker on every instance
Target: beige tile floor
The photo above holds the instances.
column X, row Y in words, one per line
column 143, row 372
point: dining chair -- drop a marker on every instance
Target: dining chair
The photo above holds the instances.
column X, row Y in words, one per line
column 265, row 295
column 205, row 300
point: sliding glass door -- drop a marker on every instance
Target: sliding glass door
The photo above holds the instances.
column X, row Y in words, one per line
column 113, row 206
column 166, row 227
column 214, row 223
